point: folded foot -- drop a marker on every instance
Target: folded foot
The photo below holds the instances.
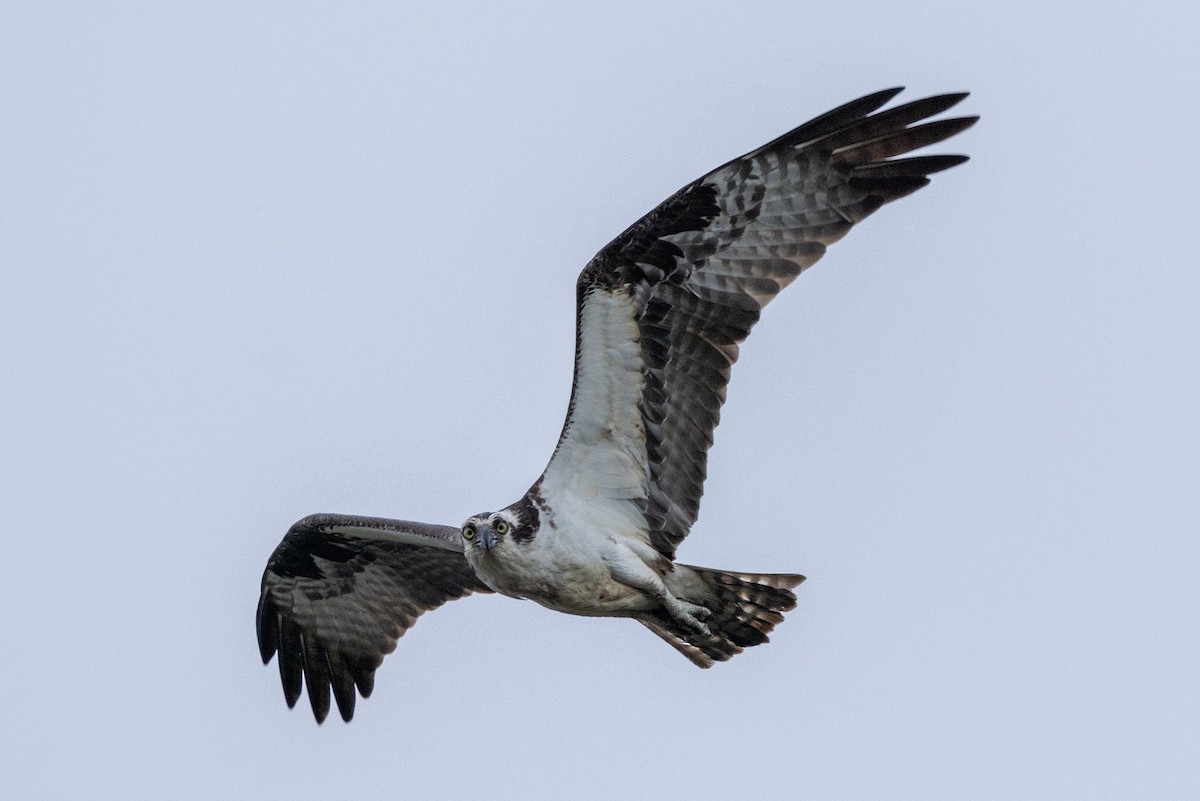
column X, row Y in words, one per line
column 688, row 614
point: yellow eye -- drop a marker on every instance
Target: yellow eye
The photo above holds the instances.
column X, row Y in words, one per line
column 468, row 532
column 501, row 527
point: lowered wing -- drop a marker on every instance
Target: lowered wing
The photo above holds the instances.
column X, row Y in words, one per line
column 339, row 591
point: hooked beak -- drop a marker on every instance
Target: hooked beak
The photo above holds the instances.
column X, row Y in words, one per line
column 486, row 538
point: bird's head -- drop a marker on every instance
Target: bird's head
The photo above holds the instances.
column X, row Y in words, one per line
column 484, row 532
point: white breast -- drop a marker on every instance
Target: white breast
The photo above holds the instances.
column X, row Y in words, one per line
column 569, row 567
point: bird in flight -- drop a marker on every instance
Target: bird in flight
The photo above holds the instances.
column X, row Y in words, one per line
column 661, row 312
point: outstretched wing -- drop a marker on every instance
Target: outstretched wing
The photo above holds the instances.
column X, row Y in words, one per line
column 340, row 590
column 663, row 308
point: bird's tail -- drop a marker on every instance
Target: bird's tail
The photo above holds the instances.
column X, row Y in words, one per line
column 745, row 608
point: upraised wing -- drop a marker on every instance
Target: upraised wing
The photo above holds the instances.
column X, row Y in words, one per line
column 339, row 591
column 663, row 308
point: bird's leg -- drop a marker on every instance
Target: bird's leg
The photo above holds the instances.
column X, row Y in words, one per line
column 637, row 574
column 688, row 614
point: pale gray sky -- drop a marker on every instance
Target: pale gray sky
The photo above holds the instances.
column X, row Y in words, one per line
column 262, row 260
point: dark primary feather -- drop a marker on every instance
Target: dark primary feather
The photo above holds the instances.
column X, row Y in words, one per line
column 333, row 604
column 704, row 263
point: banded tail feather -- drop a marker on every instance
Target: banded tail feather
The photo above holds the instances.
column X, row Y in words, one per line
column 745, row 608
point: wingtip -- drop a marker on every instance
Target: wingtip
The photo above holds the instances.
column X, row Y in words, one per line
column 318, row 699
column 880, row 98
column 266, row 628
column 956, row 125
column 948, row 127
column 951, row 160
column 954, row 98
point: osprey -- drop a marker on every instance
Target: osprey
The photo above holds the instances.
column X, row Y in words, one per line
column 660, row 314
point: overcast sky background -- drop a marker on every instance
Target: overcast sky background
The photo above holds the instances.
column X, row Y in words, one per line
column 261, row 260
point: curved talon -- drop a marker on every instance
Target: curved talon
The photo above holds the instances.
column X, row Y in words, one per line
column 691, row 615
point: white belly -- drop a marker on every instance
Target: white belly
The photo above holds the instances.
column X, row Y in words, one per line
column 566, row 571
